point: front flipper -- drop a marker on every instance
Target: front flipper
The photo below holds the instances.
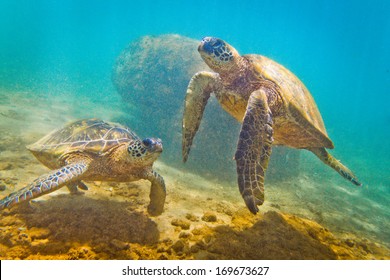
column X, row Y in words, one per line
column 254, row 150
column 46, row 184
column 199, row 89
column 157, row 193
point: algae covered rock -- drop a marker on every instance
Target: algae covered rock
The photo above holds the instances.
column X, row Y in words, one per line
column 152, row 74
column 209, row 217
column 155, row 70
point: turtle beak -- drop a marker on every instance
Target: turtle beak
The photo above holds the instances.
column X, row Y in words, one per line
column 200, row 47
column 205, row 46
column 158, row 147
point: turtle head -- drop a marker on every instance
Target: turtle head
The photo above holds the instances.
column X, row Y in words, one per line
column 145, row 152
column 218, row 54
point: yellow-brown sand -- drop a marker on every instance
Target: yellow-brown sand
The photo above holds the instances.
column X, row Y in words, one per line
column 110, row 222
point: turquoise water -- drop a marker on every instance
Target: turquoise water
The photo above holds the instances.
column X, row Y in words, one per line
column 339, row 49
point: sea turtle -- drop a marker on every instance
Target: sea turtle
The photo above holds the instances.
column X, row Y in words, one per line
column 93, row 150
column 273, row 105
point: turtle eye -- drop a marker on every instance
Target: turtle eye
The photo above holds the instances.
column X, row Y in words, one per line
column 216, row 44
column 147, row 142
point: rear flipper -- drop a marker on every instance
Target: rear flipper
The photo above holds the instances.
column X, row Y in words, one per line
column 75, row 186
column 46, row 184
column 328, row 159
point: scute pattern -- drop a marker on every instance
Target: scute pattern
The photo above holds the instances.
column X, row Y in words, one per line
column 89, row 135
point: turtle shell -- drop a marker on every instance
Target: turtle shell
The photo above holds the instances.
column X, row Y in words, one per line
column 298, row 101
column 91, row 136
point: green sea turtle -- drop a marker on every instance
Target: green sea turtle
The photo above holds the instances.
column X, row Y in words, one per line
column 93, row 150
column 273, row 105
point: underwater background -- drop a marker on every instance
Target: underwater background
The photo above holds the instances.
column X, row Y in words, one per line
column 57, row 60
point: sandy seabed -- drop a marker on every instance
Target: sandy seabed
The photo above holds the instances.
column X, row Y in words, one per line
column 202, row 218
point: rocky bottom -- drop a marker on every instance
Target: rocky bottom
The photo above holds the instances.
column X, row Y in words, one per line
column 110, row 222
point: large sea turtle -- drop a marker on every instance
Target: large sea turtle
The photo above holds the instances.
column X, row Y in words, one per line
column 273, row 105
column 93, row 150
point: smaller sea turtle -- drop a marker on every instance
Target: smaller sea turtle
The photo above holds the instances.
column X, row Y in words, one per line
column 93, row 150
column 273, row 105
